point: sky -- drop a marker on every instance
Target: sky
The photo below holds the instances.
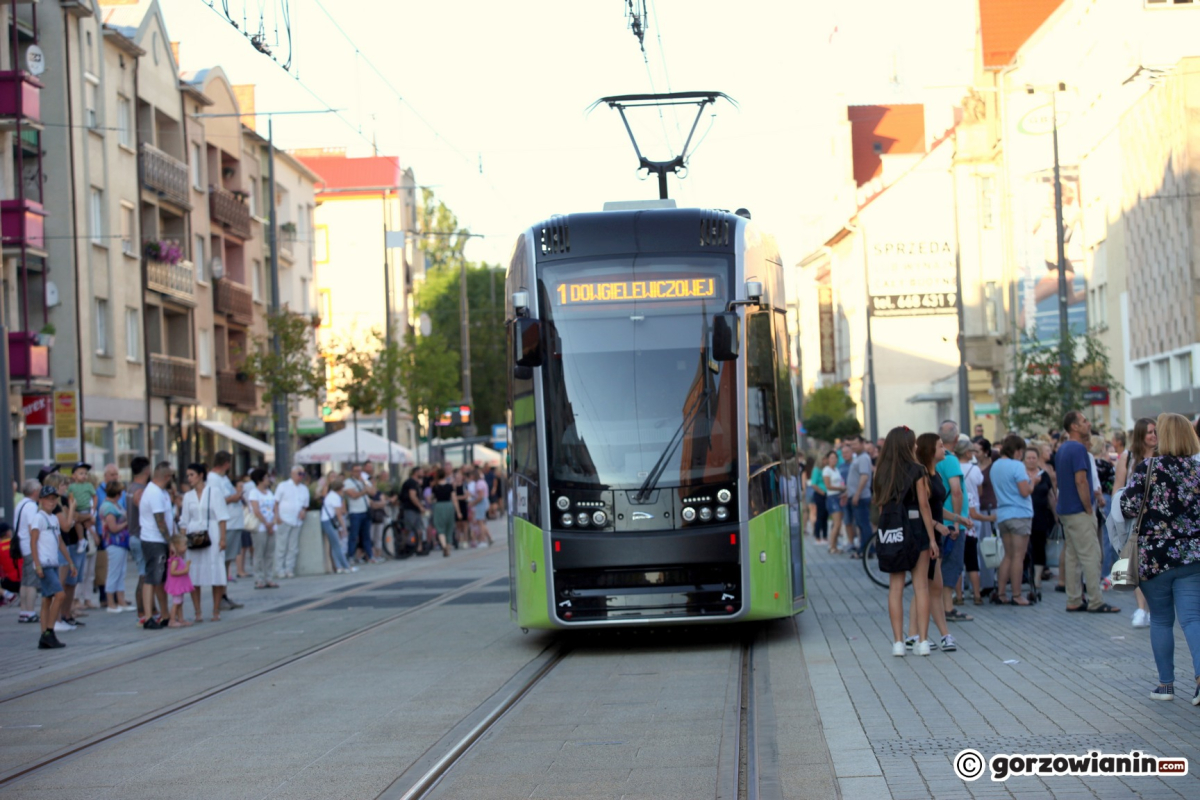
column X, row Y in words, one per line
column 486, row 101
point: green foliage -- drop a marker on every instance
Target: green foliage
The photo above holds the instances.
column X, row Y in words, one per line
column 818, row 426
column 443, row 241
column 428, row 373
column 1040, row 397
column 845, row 428
column 829, row 414
column 365, row 374
column 295, row 370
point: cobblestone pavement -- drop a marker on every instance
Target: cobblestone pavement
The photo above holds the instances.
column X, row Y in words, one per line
column 1080, row 682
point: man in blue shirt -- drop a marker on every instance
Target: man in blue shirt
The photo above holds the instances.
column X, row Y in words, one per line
column 1077, row 513
column 954, row 514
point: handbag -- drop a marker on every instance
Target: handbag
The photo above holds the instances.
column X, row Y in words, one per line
column 201, row 539
column 991, row 550
column 1125, row 572
column 1054, row 545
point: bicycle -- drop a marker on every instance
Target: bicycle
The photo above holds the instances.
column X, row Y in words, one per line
column 871, row 565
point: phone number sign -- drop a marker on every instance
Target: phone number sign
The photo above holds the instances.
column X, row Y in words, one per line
column 913, row 305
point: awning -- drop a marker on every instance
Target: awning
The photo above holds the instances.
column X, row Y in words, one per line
column 244, row 439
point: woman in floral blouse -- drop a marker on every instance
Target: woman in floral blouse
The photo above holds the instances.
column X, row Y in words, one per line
column 1169, row 546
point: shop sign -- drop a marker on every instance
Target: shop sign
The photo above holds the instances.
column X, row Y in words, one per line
column 35, row 408
column 66, row 427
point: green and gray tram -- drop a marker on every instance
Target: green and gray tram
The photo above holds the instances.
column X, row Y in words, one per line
column 653, row 439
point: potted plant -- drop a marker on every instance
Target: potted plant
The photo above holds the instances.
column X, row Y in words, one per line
column 46, row 337
column 288, row 228
column 167, row 251
column 316, row 320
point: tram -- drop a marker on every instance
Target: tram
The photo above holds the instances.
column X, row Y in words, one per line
column 653, row 450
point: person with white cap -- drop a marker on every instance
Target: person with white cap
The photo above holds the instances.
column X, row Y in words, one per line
column 293, row 498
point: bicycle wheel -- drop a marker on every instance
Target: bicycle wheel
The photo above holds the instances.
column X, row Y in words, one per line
column 871, row 565
column 390, row 535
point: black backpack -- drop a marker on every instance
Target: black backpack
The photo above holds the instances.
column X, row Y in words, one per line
column 899, row 547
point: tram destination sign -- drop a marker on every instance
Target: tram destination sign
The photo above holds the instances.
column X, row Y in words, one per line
column 913, row 305
column 582, row 292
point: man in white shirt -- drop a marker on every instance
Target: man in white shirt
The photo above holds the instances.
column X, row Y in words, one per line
column 157, row 526
column 47, row 551
column 24, row 515
column 224, row 495
column 293, row 498
column 357, row 490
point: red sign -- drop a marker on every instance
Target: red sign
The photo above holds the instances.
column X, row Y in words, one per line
column 36, row 409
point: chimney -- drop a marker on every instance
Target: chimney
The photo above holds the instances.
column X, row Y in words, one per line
column 244, row 93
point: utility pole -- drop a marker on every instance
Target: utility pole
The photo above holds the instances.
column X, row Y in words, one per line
column 279, row 403
column 964, row 400
column 1064, row 355
column 465, row 335
column 393, row 466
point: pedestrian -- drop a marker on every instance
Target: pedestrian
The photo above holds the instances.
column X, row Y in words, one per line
column 24, row 516
column 227, row 494
column 64, row 512
column 1165, row 491
column 157, row 527
column 900, row 483
column 1143, row 443
column 954, row 553
column 479, row 507
column 1106, row 475
column 262, row 506
column 820, row 496
column 238, row 512
column 955, row 513
column 140, row 468
column 988, row 455
column 179, row 582
column 930, row 453
column 462, row 536
column 835, row 484
column 204, row 512
column 856, row 500
column 357, row 490
column 1014, row 514
column 1076, row 504
column 333, row 522
column 973, row 478
column 116, row 540
column 411, row 510
column 377, row 510
column 1043, row 498
column 292, row 499
column 445, row 510
column 47, row 551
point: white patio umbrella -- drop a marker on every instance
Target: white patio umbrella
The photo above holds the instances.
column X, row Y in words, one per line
column 481, row 454
column 344, row 446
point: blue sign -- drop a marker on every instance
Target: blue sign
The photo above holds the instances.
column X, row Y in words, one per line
column 499, row 437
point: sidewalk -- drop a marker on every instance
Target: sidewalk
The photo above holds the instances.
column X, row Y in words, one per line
column 1081, row 682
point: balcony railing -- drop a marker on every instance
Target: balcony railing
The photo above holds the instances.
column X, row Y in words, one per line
column 234, row 301
column 226, row 209
column 27, row 358
column 23, row 222
column 176, row 280
column 171, row 376
column 165, row 174
column 241, row 393
column 20, row 96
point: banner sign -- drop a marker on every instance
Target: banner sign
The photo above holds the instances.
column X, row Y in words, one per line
column 825, row 327
column 66, row 427
column 912, row 278
column 35, row 408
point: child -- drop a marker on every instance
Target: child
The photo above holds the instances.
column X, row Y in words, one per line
column 179, row 582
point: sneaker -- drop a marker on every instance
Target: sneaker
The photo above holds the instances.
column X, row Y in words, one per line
column 115, row 609
column 948, row 644
column 1141, row 619
column 152, row 625
column 910, row 641
column 354, row 569
column 924, row 648
column 73, row 622
column 62, row 626
column 1196, row 696
column 49, row 641
column 1165, row 693
column 28, row 618
column 898, row 649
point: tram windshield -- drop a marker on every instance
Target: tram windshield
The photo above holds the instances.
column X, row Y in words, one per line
column 632, row 395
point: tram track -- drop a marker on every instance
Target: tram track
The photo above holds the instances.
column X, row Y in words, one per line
column 22, row 772
column 262, row 617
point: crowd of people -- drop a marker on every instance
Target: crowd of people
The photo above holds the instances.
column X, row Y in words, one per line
column 987, row 523
column 209, row 528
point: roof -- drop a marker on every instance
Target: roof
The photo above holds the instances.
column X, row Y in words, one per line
column 341, row 174
column 1005, row 25
column 879, row 130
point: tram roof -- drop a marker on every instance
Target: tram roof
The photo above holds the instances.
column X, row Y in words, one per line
column 658, row 230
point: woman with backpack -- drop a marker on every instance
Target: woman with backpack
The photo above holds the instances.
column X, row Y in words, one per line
column 906, row 537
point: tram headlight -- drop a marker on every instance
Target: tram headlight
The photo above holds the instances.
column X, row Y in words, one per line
column 705, row 514
column 563, row 502
column 688, row 514
column 567, row 520
column 723, row 496
column 582, row 519
column 599, row 519
column 722, row 513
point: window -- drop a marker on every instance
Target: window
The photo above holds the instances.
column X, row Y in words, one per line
column 325, row 307
column 127, row 229
column 304, row 296
column 1098, row 288
column 321, row 244
column 1183, row 370
column 204, row 346
column 993, row 307
column 133, row 335
column 197, row 166
column 987, row 201
column 97, row 442
column 90, row 64
column 257, row 277
column 124, row 121
column 129, row 446
column 1162, row 376
column 101, row 326
column 1143, row 375
column 97, row 215
column 198, row 259
column 89, row 102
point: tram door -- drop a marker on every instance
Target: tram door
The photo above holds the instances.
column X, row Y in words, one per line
column 792, row 495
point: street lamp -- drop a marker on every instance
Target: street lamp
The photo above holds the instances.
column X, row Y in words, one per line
column 1064, row 354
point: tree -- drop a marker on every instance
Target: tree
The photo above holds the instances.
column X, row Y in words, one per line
column 365, row 374
column 1039, row 394
column 295, row 370
column 829, row 414
column 427, row 370
column 442, row 240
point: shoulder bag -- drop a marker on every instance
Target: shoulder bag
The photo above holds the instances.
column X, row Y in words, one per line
column 899, row 547
column 1125, row 572
column 991, row 548
column 201, row 539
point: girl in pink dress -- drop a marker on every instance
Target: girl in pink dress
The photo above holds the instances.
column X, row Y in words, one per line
column 179, row 582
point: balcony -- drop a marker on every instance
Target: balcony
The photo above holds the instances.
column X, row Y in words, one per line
column 234, row 301
column 237, row 390
column 171, row 376
column 26, row 358
column 177, row 281
column 23, row 223
column 166, row 175
column 20, row 98
column 225, row 208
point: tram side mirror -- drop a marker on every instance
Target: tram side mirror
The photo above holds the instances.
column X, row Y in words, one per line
column 725, row 336
column 527, row 342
